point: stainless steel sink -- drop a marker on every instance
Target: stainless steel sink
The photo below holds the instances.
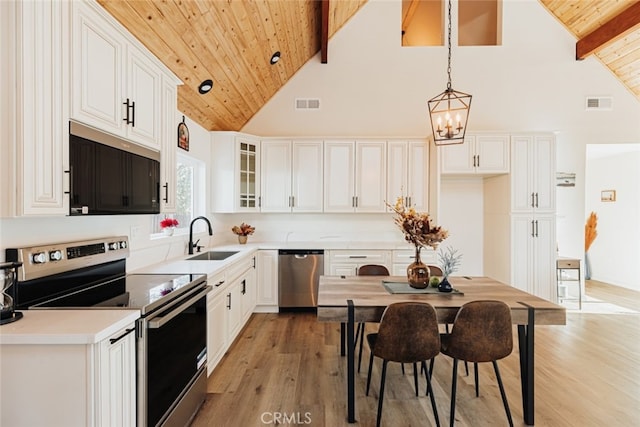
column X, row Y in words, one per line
column 212, row 256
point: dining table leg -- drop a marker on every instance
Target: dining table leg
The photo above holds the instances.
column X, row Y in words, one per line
column 351, row 372
column 525, row 341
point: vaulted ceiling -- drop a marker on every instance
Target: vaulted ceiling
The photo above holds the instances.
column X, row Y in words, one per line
column 232, row 41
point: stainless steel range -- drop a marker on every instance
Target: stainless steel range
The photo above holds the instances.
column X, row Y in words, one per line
column 171, row 334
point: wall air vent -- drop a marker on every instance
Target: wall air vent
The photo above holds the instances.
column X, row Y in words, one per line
column 307, row 104
column 599, row 103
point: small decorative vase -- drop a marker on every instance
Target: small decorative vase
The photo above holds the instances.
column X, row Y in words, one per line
column 418, row 273
column 242, row 239
column 445, row 286
column 168, row 231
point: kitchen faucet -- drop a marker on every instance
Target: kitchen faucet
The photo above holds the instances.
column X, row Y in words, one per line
column 191, row 245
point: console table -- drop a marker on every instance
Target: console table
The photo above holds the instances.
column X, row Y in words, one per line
column 568, row 264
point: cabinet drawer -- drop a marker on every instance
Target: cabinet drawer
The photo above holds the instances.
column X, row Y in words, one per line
column 239, row 267
column 568, row 263
column 360, row 257
column 428, row 256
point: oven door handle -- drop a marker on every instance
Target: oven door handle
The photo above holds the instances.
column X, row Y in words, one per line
column 160, row 321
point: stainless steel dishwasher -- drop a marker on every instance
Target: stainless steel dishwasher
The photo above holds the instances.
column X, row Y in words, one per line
column 299, row 271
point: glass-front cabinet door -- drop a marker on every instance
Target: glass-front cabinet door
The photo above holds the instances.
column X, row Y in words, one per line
column 249, row 176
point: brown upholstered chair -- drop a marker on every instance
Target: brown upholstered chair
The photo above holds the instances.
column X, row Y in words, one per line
column 408, row 333
column 435, row 270
column 367, row 270
column 482, row 332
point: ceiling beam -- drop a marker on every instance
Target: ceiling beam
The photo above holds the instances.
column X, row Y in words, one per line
column 324, row 32
column 609, row 32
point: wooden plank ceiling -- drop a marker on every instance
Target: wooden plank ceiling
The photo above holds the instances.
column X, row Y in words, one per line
column 231, row 42
column 610, row 29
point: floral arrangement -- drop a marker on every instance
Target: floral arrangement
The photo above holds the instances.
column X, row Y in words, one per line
column 449, row 260
column 169, row 222
column 417, row 227
column 243, row 229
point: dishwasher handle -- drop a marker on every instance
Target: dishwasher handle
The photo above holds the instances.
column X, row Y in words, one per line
column 304, row 252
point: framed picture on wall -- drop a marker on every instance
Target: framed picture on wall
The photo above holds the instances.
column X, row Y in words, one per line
column 183, row 135
column 608, row 196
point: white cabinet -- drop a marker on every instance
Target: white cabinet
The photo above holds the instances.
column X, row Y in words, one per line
column 168, row 171
column 401, row 259
column 229, row 306
column 248, row 292
column 533, row 173
column 533, row 258
column 235, row 172
column 479, row 154
column 408, row 173
column 116, row 82
column 291, row 176
column 346, row 262
column 70, row 383
column 267, row 282
column 34, row 108
column 117, row 373
column 355, row 176
column 216, row 318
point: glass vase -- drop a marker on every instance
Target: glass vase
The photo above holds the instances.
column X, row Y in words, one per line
column 418, row 273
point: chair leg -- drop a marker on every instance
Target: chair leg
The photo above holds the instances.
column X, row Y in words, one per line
column 361, row 329
column 430, row 391
column 369, row 373
column 502, row 393
column 452, row 414
column 466, row 368
column 430, row 372
column 381, row 397
column 402, row 364
column 415, row 377
column 475, row 373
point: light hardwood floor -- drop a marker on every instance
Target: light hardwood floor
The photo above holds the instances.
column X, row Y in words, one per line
column 587, row 374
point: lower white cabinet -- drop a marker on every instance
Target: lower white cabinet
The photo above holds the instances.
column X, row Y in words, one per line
column 70, row 384
column 267, row 286
column 347, row 262
column 229, row 306
column 533, row 255
column 116, row 392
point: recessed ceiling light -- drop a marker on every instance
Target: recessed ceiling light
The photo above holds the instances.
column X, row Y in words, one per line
column 205, row 86
column 275, row 58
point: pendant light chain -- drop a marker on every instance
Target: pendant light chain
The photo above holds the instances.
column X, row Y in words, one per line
column 449, row 45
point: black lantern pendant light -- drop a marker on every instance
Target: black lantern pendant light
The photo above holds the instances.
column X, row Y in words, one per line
column 449, row 111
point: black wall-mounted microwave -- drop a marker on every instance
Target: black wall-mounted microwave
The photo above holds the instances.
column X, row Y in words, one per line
column 110, row 175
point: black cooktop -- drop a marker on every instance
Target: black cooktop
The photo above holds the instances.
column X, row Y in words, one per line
column 144, row 292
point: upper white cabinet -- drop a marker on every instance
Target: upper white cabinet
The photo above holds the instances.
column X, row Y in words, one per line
column 408, row 173
column 291, row 176
column 235, row 172
column 117, row 84
column 168, row 171
column 34, row 38
column 355, row 176
column 533, row 173
column 479, row 154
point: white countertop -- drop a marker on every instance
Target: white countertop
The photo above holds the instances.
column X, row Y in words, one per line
column 65, row 326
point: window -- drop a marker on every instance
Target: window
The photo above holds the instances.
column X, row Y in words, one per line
column 190, row 193
column 478, row 22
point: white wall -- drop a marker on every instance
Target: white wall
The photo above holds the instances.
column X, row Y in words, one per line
column 371, row 86
column 615, row 253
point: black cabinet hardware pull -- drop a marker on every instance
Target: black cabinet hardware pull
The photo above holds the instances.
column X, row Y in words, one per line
column 124, row 334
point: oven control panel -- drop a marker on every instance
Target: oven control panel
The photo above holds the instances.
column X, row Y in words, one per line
column 45, row 260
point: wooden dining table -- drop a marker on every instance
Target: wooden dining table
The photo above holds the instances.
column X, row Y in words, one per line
column 351, row 299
